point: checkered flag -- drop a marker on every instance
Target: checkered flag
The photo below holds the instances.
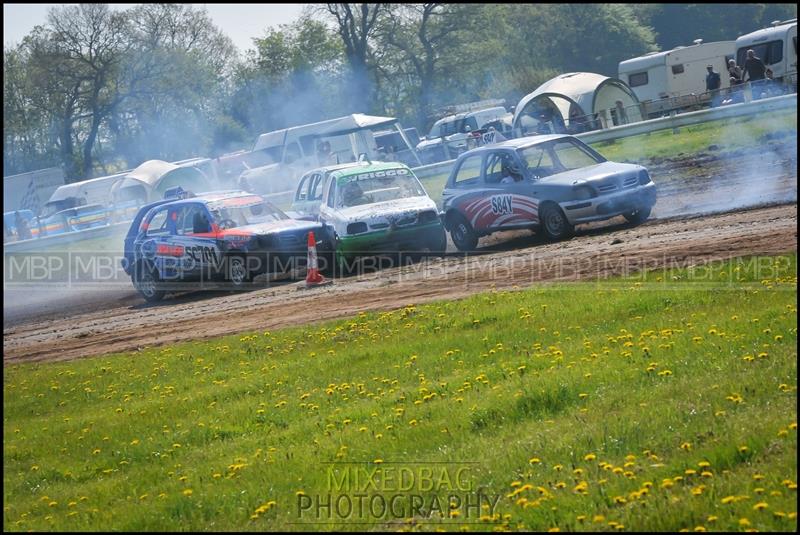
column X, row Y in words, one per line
column 31, row 199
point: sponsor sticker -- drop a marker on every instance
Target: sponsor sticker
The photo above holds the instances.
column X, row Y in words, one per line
column 377, row 174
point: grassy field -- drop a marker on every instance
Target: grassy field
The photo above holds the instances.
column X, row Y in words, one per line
column 665, row 402
column 722, row 136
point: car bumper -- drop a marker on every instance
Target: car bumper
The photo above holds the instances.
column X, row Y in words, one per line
column 407, row 240
column 611, row 205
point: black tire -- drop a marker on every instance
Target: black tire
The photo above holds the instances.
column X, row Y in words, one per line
column 463, row 234
column 236, row 272
column 638, row 216
column 145, row 280
column 554, row 223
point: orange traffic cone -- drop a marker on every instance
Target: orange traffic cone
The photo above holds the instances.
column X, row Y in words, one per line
column 313, row 276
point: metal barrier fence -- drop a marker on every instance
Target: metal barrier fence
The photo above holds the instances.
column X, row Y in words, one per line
column 674, row 120
column 549, row 121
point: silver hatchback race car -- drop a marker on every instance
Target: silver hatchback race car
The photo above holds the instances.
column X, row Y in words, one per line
column 549, row 183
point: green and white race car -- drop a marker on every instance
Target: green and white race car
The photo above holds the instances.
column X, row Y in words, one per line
column 376, row 209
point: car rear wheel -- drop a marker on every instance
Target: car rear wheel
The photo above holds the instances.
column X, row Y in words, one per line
column 554, row 223
column 638, row 216
column 463, row 234
column 146, row 283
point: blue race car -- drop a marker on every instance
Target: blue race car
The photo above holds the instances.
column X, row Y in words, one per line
column 231, row 236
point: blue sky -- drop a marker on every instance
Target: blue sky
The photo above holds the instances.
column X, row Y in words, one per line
column 241, row 22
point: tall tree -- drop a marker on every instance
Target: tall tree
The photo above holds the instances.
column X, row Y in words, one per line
column 433, row 38
column 356, row 25
column 681, row 24
column 294, row 75
column 86, row 43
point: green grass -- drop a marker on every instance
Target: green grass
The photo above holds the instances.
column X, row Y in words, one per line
column 580, row 405
column 727, row 134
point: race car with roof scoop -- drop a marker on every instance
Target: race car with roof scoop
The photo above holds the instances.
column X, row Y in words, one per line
column 548, row 183
column 375, row 209
column 230, row 236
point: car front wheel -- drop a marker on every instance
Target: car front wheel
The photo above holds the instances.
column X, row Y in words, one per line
column 554, row 223
column 638, row 216
column 237, row 273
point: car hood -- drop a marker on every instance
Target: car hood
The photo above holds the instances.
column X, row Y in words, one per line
column 272, row 227
column 596, row 174
column 396, row 207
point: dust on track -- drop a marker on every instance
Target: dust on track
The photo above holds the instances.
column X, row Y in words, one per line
column 595, row 253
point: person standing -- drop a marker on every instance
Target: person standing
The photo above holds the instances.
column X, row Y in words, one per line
column 23, row 229
column 735, row 72
column 713, row 83
column 754, row 70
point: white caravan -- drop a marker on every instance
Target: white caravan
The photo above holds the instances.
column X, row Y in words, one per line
column 776, row 46
column 280, row 158
column 677, row 72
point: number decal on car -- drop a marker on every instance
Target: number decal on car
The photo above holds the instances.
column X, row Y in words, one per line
column 200, row 253
column 502, row 204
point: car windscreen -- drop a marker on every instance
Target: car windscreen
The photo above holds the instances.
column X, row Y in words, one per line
column 557, row 156
column 380, row 186
column 246, row 213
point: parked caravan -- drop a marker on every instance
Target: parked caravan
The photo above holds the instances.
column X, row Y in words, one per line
column 677, row 72
column 777, row 48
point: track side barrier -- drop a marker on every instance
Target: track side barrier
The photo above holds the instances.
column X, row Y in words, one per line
column 757, row 107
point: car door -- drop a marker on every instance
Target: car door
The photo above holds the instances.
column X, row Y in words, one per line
column 156, row 246
column 511, row 204
column 466, row 192
column 199, row 235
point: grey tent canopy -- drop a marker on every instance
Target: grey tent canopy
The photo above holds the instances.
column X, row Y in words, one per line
column 575, row 102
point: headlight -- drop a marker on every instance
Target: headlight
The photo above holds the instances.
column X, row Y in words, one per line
column 356, row 228
column 644, row 177
column 583, row 193
column 428, row 216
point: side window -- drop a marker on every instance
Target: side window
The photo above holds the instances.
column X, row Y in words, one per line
column 493, row 167
column 302, row 189
column 186, row 221
column 315, row 187
column 469, row 171
column 635, row 80
column 332, row 192
column 157, row 226
column 677, row 69
column 539, row 161
column 197, row 220
column 775, row 53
